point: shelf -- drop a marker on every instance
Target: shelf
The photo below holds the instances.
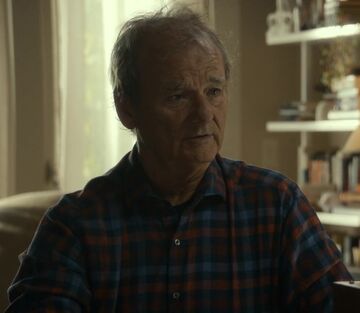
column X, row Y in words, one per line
column 313, row 126
column 313, row 35
column 347, row 224
column 336, row 219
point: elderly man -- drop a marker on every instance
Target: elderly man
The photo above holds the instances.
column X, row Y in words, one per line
column 174, row 227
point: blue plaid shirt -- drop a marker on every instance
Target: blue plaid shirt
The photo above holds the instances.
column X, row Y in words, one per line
column 247, row 241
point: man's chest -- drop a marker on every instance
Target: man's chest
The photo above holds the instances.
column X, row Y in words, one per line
column 210, row 256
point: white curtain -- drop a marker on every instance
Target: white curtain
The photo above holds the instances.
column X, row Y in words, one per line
column 92, row 140
column 7, row 100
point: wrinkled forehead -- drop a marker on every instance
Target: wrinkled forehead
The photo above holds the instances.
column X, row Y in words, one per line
column 182, row 67
column 162, row 47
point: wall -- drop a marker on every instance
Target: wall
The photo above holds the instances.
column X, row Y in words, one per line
column 263, row 78
column 33, row 73
column 226, row 22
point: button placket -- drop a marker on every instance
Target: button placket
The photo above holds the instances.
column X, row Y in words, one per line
column 177, row 256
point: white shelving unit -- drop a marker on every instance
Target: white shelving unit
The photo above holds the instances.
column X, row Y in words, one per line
column 315, row 35
column 313, row 126
column 304, row 38
column 344, row 224
column 340, row 220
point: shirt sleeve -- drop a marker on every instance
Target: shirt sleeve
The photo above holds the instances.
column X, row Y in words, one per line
column 310, row 261
column 51, row 277
column 319, row 296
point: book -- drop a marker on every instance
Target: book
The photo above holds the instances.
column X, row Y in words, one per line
column 337, row 169
column 347, row 93
column 339, row 219
column 343, row 114
column 349, row 197
column 346, row 210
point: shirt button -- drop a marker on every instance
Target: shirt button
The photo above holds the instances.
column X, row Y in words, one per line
column 176, row 295
column 177, row 242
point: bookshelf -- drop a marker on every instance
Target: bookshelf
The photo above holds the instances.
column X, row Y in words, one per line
column 313, row 126
column 304, row 128
column 315, row 35
column 346, row 225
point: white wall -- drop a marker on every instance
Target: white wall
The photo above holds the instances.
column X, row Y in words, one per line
column 34, row 94
column 226, row 22
column 262, row 78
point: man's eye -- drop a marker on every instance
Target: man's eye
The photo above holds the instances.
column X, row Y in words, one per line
column 176, row 97
column 214, row 92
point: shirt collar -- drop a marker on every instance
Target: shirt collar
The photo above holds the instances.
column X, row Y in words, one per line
column 212, row 183
column 137, row 186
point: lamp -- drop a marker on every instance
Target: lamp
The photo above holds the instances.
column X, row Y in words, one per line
column 352, row 144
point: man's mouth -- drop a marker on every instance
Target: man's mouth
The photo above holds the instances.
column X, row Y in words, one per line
column 201, row 136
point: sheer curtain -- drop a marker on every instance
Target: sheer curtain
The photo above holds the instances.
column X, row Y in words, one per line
column 7, row 100
column 92, row 140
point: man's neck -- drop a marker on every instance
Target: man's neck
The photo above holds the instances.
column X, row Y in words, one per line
column 175, row 182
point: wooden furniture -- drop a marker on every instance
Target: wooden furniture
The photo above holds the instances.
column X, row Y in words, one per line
column 19, row 217
column 346, row 297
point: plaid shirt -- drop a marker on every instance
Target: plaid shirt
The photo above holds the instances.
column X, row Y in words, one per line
column 247, row 241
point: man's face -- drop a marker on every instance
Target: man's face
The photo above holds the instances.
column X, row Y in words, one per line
column 181, row 113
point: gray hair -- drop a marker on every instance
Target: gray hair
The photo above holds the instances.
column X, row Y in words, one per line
column 186, row 25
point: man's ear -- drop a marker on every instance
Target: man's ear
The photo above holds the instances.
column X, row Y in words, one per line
column 125, row 111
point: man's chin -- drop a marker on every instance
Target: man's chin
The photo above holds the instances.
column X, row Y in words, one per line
column 201, row 157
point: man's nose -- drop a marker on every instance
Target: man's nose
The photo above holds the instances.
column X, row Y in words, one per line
column 202, row 108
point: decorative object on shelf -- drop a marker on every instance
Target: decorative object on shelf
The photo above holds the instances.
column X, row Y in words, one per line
column 337, row 60
column 281, row 21
column 328, row 200
column 324, row 107
column 296, row 15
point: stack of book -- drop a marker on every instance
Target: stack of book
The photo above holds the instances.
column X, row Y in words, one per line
column 347, row 98
column 320, row 169
column 297, row 111
column 351, row 173
column 331, row 9
column 346, row 172
column 339, row 12
column 343, row 115
column 333, row 167
column 352, row 198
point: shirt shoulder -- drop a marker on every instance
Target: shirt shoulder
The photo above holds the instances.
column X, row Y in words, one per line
column 102, row 198
column 241, row 174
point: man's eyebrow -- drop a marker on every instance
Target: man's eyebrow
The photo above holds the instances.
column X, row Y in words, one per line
column 217, row 80
column 173, row 85
column 180, row 84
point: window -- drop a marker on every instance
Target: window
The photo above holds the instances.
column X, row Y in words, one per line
column 92, row 138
